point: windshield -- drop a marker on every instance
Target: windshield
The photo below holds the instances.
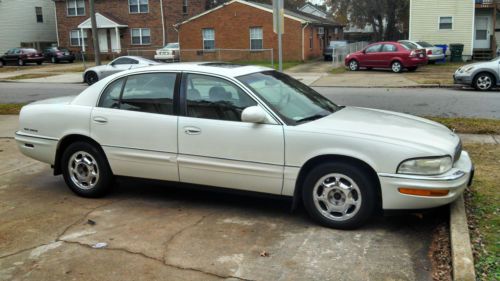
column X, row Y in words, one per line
column 293, row 101
column 425, row 44
column 172, row 46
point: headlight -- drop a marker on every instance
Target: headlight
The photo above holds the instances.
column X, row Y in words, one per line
column 468, row 69
column 425, row 166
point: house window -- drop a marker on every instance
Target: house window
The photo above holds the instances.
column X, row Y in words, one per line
column 311, row 39
column 208, row 38
column 75, row 38
column 185, row 7
column 141, row 36
column 445, row 22
column 75, row 7
column 39, row 14
column 256, row 38
column 138, row 6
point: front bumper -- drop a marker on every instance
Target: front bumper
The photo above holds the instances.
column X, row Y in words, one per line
column 456, row 180
column 462, row 79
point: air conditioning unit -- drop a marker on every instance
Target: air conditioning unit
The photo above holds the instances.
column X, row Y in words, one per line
column 321, row 30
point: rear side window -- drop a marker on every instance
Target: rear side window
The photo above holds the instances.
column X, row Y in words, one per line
column 151, row 93
column 373, row 49
column 389, row 48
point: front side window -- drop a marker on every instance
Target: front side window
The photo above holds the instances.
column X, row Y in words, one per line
column 138, row 6
column 373, row 49
column 124, row 61
column 75, row 7
column 141, row 36
column 76, row 38
column 293, row 101
column 208, row 38
column 389, row 48
column 215, row 98
column 151, row 93
column 256, row 38
column 39, row 14
column 445, row 22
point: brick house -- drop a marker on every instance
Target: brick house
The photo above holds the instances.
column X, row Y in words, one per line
column 248, row 26
column 122, row 24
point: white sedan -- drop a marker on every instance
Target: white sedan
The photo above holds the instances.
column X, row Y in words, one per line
column 248, row 128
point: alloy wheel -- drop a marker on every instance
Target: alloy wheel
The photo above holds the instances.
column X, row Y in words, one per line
column 20, row 62
column 484, row 82
column 337, row 197
column 396, row 66
column 83, row 170
column 353, row 65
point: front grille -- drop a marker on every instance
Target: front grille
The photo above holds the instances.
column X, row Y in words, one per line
column 458, row 152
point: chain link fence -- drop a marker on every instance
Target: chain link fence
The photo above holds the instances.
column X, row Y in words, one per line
column 339, row 53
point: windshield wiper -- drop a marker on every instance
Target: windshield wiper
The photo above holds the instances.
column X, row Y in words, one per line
column 310, row 118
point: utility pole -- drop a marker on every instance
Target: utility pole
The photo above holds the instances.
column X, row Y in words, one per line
column 95, row 39
column 279, row 27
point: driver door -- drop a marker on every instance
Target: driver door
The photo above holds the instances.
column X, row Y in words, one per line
column 120, row 64
column 216, row 148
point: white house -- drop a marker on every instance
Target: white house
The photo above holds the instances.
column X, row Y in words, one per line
column 472, row 23
column 27, row 23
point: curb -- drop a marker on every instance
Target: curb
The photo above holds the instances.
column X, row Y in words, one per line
column 461, row 249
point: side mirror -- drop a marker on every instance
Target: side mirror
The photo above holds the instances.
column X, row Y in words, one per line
column 253, row 114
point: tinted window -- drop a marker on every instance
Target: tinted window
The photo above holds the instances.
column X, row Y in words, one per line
column 153, row 93
column 389, row 48
column 110, row 98
column 373, row 48
column 214, row 98
column 125, row 61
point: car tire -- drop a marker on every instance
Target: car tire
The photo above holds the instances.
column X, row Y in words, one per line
column 350, row 200
column 53, row 60
column 39, row 63
column 397, row 67
column 412, row 69
column 1, row 63
column 20, row 62
column 484, row 81
column 91, row 77
column 353, row 65
column 85, row 170
column 71, row 61
column 432, row 62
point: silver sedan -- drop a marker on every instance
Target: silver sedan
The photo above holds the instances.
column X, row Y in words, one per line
column 433, row 53
column 96, row 73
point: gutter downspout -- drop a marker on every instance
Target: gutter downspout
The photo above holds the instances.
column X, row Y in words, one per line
column 303, row 28
column 162, row 22
column 57, row 27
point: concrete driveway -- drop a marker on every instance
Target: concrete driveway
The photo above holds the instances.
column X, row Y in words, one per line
column 159, row 231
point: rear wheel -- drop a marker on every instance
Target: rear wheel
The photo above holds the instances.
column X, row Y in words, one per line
column 91, row 77
column 39, row 63
column 484, row 81
column 53, row 60
column 1, row 63
column 339, row 195
column 396, row 67
column 71, row 61
column 85, row 170
column 354, row 65
column 20, row 62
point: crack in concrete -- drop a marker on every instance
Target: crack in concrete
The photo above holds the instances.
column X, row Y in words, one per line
column 24, row 250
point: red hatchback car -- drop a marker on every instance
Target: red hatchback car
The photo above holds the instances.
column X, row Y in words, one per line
column 393, row 55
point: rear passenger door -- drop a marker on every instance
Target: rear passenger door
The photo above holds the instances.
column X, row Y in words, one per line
column 388, row 53
column 136, row 125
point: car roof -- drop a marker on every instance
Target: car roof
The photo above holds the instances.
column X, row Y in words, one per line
column 220, row 68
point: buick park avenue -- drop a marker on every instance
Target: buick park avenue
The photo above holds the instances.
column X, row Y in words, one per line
column 248, row 128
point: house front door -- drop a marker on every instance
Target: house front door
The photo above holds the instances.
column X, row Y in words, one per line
column 103, row 40
column 482, row 33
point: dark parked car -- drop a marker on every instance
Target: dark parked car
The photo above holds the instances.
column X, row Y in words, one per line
column 58, row 54
column 21, row 56
column 393, row 55
column 328, row 52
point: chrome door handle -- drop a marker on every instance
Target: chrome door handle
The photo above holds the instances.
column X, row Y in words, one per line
column 192, row 130
column 100, row 120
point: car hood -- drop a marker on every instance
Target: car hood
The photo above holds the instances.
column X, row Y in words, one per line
column 391, row 127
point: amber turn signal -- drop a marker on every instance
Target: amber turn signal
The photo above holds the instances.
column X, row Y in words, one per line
column 424, row 192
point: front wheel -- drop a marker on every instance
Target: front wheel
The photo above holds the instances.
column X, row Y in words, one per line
column 20, row 62
column 85, row 170
column 339, row 195
column 484, row 82
column 396, row 67
column 91, row 77
column 39, row 63
column 354, row 65
column 53, row 60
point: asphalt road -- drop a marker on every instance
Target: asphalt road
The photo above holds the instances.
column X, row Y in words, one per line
column 418, row 101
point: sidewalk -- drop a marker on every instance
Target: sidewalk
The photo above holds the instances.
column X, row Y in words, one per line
column 9, row 125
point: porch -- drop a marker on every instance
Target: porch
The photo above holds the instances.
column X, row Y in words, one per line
column 108, row 33
column 486, row 29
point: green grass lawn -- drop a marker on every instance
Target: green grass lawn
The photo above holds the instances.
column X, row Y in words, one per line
column 483, row 208
column 470, row 125
column 10, row 108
